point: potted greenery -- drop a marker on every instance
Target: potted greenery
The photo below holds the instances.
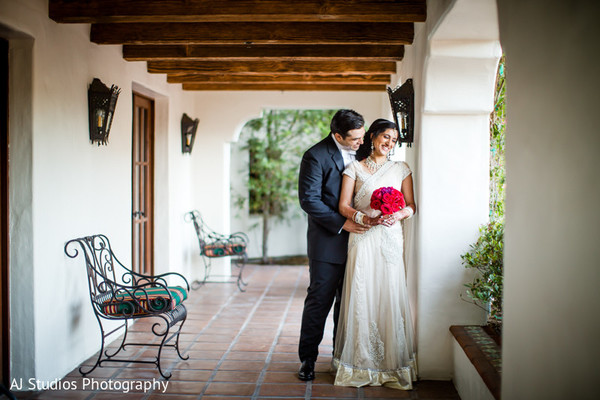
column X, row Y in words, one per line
column 486, row 256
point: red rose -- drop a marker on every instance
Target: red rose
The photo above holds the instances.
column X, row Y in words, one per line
column 386, row 209
column 401, row 203
column 388, row 198
column 376, row 204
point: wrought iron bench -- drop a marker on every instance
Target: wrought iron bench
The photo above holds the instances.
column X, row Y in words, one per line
column 213, row 244
column 120, row 294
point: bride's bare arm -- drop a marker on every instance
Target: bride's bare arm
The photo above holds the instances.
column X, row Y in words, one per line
column 407, row 191
column 349, row 225
column 345, row 207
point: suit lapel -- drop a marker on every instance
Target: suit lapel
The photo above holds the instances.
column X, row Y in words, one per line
column 335, row 153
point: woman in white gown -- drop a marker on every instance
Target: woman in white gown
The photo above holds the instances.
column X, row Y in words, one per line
column 374, row 342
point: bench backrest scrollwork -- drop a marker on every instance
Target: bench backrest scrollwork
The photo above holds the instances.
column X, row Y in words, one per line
column 195, row 217
column 100, row 263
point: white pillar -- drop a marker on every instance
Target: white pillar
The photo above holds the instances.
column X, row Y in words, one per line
column 552, row 267
column 452, row 172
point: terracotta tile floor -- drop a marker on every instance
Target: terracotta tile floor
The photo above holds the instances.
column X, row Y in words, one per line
column 241, row 346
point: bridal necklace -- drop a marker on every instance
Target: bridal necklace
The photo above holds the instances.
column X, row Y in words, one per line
column 373, row 165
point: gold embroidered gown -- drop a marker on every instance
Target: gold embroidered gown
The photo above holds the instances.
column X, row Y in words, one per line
column 375, row 339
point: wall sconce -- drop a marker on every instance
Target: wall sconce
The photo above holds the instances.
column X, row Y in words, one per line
column 188, row 133
column 101, row 103
column 402, row 100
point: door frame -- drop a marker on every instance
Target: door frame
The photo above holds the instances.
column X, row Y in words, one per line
column 4, row 215
column 149, row 245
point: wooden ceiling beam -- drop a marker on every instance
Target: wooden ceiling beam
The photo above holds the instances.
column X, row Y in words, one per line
column 282, row 87
column 273, row 67
column 268, row 51
column 336, row 45
column 385, row 33
column 111, row 11
column 379, row 79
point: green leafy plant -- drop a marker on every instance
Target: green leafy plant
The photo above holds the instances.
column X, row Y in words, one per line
column 275, row 143
column 486, row 257
column 497, row 142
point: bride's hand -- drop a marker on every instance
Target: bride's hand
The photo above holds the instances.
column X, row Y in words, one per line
column 391, row 219
column 373, row 221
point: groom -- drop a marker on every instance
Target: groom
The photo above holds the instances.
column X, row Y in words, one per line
column 319, row 188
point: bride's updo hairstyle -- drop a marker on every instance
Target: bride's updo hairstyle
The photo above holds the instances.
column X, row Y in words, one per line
column 377, row 128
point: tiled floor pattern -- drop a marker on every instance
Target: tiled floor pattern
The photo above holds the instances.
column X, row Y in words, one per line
column 241, row 346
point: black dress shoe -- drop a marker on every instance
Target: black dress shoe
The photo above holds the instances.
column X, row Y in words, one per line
column 307, row 370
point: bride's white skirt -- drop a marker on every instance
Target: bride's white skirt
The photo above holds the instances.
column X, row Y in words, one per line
column 375, row 340
column 402, row 378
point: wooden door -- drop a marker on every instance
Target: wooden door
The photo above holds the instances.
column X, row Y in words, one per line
column 143, row 185
column 4, row 242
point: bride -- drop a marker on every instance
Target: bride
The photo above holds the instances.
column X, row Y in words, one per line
column 374, row 342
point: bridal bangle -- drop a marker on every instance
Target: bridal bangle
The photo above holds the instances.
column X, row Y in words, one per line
column 358, row 217
column 410, row 211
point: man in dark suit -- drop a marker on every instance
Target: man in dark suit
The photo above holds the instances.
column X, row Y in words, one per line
column 319, row 188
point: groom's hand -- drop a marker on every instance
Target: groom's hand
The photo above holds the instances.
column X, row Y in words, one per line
column 353, row 227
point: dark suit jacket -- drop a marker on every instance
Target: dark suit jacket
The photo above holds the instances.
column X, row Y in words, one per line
column 319, row 188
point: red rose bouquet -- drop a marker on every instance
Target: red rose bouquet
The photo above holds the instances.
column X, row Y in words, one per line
column 387, row 200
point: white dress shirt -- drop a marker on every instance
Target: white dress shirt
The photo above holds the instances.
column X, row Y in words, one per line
column 347, row 154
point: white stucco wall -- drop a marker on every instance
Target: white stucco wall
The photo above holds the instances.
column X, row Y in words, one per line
column 62, row 187
column 466, row 379
column 20, row 200
column 453, row 63
column 551, row 296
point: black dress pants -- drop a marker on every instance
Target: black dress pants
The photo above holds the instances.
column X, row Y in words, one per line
column 326, row 280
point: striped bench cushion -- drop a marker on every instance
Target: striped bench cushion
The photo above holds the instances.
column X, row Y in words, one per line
column 223, row 249
column 153, row 299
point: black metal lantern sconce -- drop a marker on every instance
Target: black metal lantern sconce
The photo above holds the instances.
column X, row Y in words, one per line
column 101, row 103
column 402, row 100
column 188, row 133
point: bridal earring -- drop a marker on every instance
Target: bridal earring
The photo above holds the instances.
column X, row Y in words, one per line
column 372, row 147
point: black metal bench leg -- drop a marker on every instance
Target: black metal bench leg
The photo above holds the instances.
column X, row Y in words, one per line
column 241, row 263
column 98, row 360
column 164, row 335
column 197, row 283
column 177, row 341
column 122, row 345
